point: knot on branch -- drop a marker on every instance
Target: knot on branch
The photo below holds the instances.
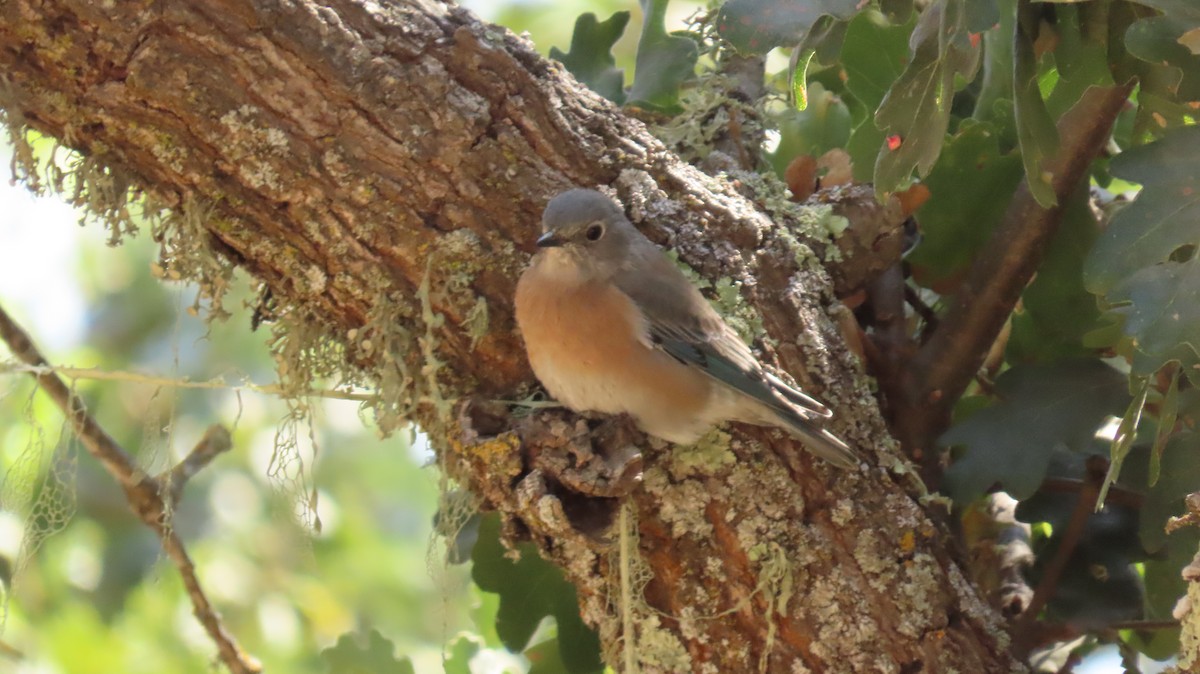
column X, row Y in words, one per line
column 554, row 473
column 872, row 240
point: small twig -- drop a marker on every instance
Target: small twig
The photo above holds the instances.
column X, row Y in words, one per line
column 1062, row 632
column 986, row 385
column 138, row 378
column 1117, row 495
column 1144, row 625
column 887, row 293
column 890, row 344
column 8, row 651
column 1024, row 630
column 927, row 314
column 215, row 441
column 1190, row 518
column 141, row 491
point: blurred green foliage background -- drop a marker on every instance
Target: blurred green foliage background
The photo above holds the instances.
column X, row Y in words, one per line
column 98, row 596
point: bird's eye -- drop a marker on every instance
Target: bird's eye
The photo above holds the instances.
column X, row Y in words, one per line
column 594, row 232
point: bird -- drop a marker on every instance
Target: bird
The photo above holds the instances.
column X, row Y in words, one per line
column 611, row 325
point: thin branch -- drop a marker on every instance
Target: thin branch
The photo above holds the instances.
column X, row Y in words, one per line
column 887, row 308
column 216, row 440
column 139, row 378
column 927, row 314
column 946, row 364
column 1026, row 627
column 1190, row 518
column 8, row 651
column 1117, row 495
column 141, row 491
column 1144, row 625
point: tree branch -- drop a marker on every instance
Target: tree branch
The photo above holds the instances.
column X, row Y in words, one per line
column 142, row 492
column 1025, row 628
column 216, row 440
column 946, row 364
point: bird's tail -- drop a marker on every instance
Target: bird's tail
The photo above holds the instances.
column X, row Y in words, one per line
column 801, row 415
column 819, row 441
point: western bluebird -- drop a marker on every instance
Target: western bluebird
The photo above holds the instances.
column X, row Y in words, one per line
column 612, row 326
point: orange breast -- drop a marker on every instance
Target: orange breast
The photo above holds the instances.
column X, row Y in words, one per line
column 584, row 342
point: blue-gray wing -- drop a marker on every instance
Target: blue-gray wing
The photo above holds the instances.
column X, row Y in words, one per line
column 683, row 324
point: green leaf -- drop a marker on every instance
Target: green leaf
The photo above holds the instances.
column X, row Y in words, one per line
column 377, row 656
column 1161, row 305
column 1180, row 476
column 1099, row 585
column 1156, row 644
column 1164, row 586
column 873, row 57
column 590, row 59
column 982, row 14
column 459, row 653
column 915, row 114
column 994, row 101
column 822, row 126
column 546, row 658
column 970, row 188
column 1057, row 311
column 800, row 82
column 1164, row 40
column 758, row 26
column 1058, row 404
column 1158, row 102
column 485, row 606
column 1080, row 60
column 1123, row 440
column 897, row 11
column 1168, row 412
column 1035, row 127
column 825, row 39
column 531, row 589
column 1108, row 334
column 663, row 61
column 1163, row 217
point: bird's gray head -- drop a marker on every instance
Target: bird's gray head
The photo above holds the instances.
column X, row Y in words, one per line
column 587, row 230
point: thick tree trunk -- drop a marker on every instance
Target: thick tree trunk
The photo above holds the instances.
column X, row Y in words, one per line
column 381, row 168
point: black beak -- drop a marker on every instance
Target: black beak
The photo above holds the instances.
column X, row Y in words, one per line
column 550, row 240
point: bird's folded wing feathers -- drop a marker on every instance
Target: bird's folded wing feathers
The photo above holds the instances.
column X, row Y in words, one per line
column 683, row 324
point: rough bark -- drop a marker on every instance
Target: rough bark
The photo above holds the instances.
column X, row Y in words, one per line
column 381, row 169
